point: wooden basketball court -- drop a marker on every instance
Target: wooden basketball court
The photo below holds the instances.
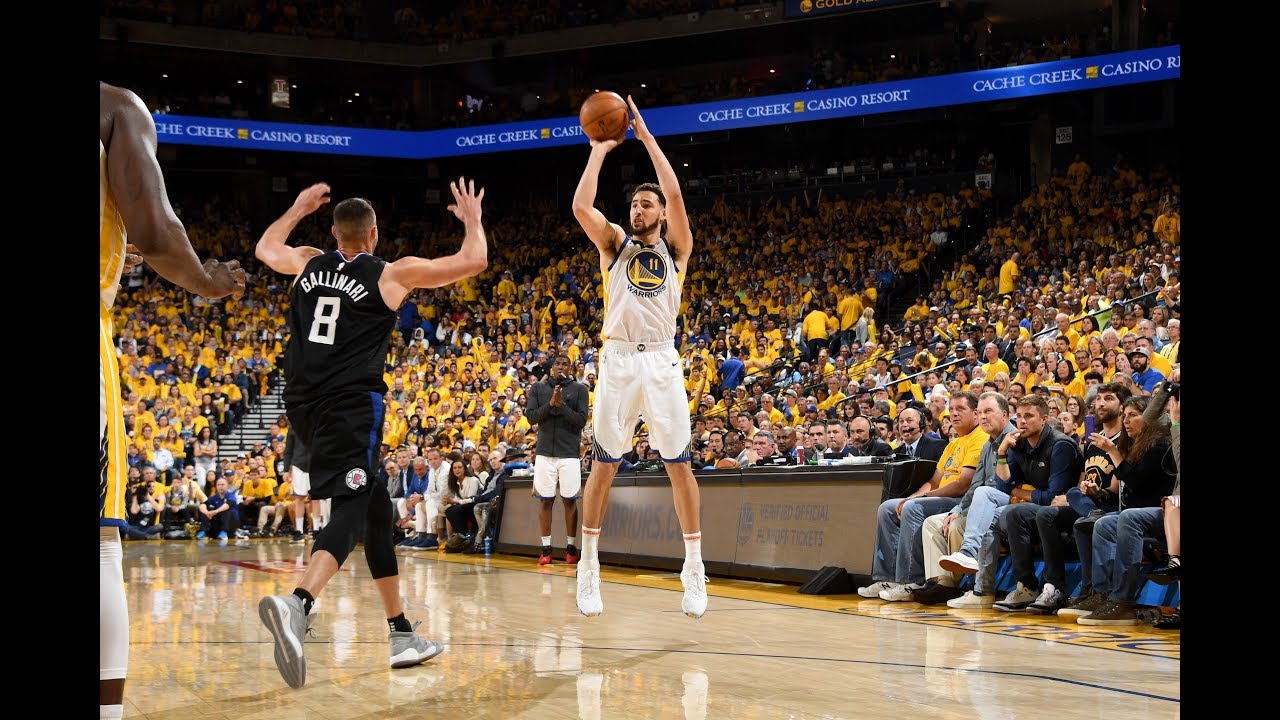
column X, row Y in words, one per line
column 517, row 648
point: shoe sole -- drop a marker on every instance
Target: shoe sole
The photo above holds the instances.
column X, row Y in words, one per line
column 1011, row 608
column 970, row 607
column 955, row 567
column 403, row 660
column 1073, row 612
column 1043, row 610
column 289, row 660
column 1086, row 621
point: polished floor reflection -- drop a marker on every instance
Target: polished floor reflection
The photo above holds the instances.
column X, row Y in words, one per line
column 517, row 648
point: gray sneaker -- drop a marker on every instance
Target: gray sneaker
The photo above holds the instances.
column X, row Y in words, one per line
column 284, row 617
column 407, row 649
column 1017, row 600
column 1083, row 605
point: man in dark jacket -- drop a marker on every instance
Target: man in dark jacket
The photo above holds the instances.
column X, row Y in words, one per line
column 558, row 405
column 1048, row 462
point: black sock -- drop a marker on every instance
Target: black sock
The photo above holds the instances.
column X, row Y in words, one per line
column 399, row 624
column 306, row 598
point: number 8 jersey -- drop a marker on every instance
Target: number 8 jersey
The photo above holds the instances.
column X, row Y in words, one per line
column 339, row 328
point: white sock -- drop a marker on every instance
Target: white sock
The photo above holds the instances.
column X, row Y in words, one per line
column 571, row 541
column 591, row 544
column 546, row 541
column 298, row 524
column 111, row 711
column 692, row 548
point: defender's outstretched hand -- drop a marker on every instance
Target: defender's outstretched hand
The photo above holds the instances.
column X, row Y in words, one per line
column 466, row 200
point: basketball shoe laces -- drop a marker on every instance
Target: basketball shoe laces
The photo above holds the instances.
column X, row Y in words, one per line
column 589, row 576
column 696, row 585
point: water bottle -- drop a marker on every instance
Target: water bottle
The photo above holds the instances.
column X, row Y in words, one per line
column 487, row 542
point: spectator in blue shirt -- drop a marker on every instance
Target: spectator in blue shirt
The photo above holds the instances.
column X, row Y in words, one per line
column 732, row 371
column 218, row 514
column 1144, row 376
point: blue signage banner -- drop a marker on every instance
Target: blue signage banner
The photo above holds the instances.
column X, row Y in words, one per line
column 1059, row 76
column 811, row 8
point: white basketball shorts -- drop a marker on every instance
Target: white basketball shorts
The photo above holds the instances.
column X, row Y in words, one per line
column 548, row 472
column 301, row 481
column 640, row 379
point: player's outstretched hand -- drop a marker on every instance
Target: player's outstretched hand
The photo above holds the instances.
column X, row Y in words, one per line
column 225, row 278
column 312, row 198
column 637, row 123
column 466, row 200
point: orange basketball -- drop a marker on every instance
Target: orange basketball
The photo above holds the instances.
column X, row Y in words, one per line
column 604, row 116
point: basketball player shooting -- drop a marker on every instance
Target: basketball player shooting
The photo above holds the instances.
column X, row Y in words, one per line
column 344, row 305
column 640, row 371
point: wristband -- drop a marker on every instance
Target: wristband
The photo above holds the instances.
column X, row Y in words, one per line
column 1002, row 462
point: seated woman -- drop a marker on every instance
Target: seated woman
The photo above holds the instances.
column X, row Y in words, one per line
column 462, row 486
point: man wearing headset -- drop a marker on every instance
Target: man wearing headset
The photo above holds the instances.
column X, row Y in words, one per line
column 864, row 440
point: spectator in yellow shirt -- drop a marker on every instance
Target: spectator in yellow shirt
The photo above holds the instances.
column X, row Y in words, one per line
column 1009, row 274
column 994, row 364
column 815, row 331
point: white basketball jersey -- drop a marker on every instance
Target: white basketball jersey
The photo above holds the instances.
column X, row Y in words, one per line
column 642, row 293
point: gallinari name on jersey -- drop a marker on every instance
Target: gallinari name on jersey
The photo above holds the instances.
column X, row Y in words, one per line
column 647, row 273
column 336, row 281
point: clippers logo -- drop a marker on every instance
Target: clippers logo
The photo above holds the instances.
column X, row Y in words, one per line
column 647, row 273
column 357, row 479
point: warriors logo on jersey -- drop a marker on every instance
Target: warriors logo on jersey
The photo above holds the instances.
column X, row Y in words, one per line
column 646, row 273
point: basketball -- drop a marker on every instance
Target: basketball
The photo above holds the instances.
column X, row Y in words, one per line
column 604, row 116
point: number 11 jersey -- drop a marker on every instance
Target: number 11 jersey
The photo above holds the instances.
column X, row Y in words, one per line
column 339, row 327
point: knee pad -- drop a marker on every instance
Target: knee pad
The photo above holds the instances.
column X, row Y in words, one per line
column 345, row 526
column 379, row 551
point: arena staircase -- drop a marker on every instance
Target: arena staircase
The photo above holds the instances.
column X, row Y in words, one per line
column 254, row 426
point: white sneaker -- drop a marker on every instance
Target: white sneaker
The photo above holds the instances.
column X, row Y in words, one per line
column 1049, row 601
column 1017, row 600
column 899, row 593
column 971, row 600
column 589, row 602
column 874, row 589
column 958, row 562
column 694, row 580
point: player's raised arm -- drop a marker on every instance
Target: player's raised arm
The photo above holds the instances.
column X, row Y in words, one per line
column 678, row 232
column 605, row 235
column 407, row 274
column 271, row 248
column 129, row 134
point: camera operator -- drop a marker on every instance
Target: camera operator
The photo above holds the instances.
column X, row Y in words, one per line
column 558, row 405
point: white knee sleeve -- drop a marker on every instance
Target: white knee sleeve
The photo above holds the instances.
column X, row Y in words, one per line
column 113, row 611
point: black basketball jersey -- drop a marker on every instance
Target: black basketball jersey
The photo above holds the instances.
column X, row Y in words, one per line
column 340, row 328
